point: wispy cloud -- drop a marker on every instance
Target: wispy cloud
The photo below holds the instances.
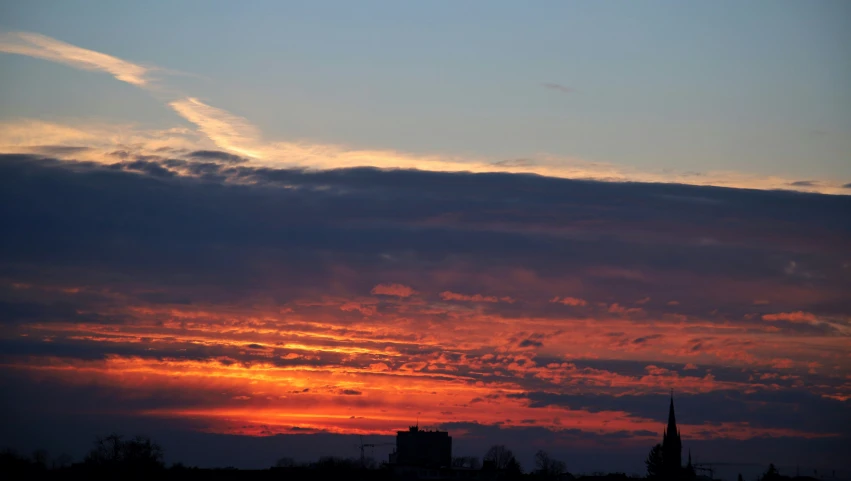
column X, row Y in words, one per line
column 569, row 301
column 804, row 183
column 102, row 139
column 228, row 131
column 558, row 88
column 455, row 296
column 237, row 135
column 397, row 290
column 797, row 316
column 41, row 46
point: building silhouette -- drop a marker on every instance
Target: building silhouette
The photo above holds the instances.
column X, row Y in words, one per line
column 672, row 444
column 421, row 448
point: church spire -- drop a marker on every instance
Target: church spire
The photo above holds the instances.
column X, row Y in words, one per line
column 672, row 445
column 672, row 419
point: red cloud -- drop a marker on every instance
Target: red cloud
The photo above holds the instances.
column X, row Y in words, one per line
column 398, row 290
column 797, row 316
column 618, row 309
column 366, row 310
column 569, row 301
column 454, row 296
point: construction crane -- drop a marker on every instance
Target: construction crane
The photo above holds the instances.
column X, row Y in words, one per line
column 369, row 445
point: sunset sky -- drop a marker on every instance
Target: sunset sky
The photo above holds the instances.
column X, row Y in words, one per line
column 254, row 231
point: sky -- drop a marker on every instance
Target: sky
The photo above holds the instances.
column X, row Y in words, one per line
column 262, row 230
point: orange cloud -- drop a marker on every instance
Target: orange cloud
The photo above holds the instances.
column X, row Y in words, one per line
column 365, row 309
column 454, row 296
column 616, row 308
column 284, row 366
column 398, row 290
column 264, row 399
column 569, row 301
column 797, row 316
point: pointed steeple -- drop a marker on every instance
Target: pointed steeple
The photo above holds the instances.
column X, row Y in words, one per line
column 672, row 419
column 671, row 442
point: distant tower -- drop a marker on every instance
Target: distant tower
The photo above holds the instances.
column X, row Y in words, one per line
column 672, row 445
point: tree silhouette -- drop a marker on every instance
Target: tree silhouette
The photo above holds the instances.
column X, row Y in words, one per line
column 14, row 466
column 771, row 474
column 61, row 461
column 655, row 463
column 40, row 458
column 513, row 470
column 500, row 457
column 740, row 477
column 502, row 460
column 470, row 462
column 546, row 466
column 113, row 452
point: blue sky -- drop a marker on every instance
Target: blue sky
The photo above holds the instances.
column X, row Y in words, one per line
column 756, row 87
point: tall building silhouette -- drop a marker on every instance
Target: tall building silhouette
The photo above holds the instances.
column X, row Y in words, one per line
column 672, row 444
column 416, row 447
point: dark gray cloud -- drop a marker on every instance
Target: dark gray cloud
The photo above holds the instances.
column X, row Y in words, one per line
column 644, row 339
column 156, row 226
column 804, row 183
column 216, row 155
column 151, row 168
column 59, row 150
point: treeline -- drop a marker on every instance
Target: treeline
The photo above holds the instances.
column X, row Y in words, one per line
column 111, row 457
column 116, row 457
